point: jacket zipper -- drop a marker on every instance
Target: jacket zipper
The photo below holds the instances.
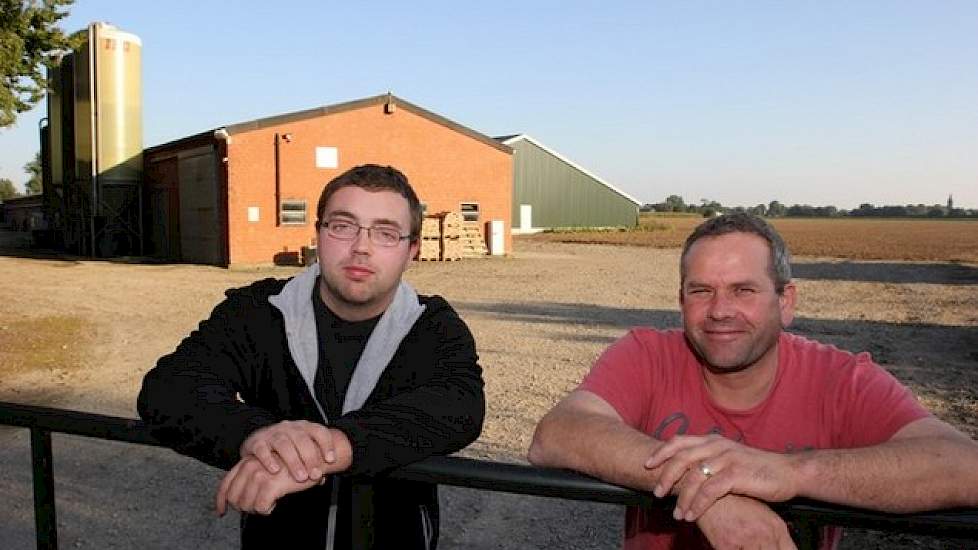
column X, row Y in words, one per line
column 426, row 528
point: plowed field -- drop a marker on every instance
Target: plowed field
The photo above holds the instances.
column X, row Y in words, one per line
column 853, row 238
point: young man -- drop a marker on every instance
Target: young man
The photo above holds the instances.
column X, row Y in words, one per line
column 339, row 374
column 732, row 412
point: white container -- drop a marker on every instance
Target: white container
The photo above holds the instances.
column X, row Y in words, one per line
column 497, row 238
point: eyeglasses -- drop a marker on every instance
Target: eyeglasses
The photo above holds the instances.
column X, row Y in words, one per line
column 348, row 231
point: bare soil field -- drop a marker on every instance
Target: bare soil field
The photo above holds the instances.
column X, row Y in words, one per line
column 81, row 335
column 908, row 239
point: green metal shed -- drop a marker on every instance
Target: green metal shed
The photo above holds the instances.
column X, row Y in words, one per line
column 550, row 191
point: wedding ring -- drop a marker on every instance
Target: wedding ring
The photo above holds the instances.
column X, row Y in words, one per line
column 705, row 470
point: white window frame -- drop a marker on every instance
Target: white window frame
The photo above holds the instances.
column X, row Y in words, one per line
column 293, row 212
column 471, row 214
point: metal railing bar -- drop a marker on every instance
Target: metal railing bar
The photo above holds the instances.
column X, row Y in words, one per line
column 111, row 428
column 547, row 482
column 518, row 478
column 950, row 522
column 522, row 479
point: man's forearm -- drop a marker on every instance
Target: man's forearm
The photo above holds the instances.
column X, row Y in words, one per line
column 595, row 445
column 209, row 429
column 902, row 475
column 412, row 426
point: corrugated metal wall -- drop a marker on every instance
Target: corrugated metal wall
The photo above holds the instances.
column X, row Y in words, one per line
column 563, row 196
column 184, row 204
column 200, row 228
column 163, row 214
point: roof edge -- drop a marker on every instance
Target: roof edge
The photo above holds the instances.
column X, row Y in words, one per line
column 180, row 141
column 359, row 104
column 420, row 111
column 527, row 137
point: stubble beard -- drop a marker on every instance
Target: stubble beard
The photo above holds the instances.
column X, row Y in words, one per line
column 348, row 299
column 726, row 362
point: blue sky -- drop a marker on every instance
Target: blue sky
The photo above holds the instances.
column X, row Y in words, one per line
column 741, row 102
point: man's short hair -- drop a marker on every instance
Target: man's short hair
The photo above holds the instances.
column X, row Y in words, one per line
column 373, row 177
column 740, row 222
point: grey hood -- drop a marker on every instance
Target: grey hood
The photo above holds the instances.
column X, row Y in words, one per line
column 295, row 303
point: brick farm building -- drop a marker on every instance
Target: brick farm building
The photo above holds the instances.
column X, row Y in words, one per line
column 245, row 194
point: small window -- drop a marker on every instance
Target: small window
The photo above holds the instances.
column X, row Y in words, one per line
column 293, row 212
column 470, row 211
column 327, row 157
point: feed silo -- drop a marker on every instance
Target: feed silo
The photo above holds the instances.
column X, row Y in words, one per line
column 94, row 144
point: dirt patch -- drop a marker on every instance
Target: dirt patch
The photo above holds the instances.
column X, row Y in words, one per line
column 38, row 354
column 40, row 343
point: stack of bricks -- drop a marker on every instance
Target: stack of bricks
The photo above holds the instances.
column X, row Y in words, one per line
column 473, row 245
column 430, row 250
column 442, row 238
column 451, row 233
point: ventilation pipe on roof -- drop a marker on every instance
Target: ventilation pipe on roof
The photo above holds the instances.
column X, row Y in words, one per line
column 221, row 134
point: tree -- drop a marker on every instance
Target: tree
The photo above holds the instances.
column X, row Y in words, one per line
column 34, row 186
column 676, row 203
column 799, row 210
column 29, row 40
column 917, row 210
column 7, row 189
column 775, row 209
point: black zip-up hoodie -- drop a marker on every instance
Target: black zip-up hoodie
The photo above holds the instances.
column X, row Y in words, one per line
column 237, row 373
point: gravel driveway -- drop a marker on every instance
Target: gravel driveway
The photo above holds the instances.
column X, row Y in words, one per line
column 540, row 318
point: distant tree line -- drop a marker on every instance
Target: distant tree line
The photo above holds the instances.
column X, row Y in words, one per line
column 31, row 187
column 7, row 189
column 774, row 209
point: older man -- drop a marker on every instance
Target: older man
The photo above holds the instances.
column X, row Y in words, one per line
column 732, row 412
column 340, row 373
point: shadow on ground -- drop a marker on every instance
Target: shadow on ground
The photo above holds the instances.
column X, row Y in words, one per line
column 943, row 358
column 166, row 501
column 571, row 314
column 18, row 244
column 883, row 272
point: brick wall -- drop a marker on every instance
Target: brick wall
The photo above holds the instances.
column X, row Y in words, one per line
column 445, row 167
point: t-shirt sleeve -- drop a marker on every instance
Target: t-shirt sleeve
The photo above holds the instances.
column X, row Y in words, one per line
column 622, row 377
column 873, row 405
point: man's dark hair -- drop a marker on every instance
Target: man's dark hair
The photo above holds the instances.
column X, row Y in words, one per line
column 373, row 177
column 780, row 265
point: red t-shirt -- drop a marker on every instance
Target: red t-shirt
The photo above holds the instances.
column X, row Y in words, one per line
column 822, row 398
